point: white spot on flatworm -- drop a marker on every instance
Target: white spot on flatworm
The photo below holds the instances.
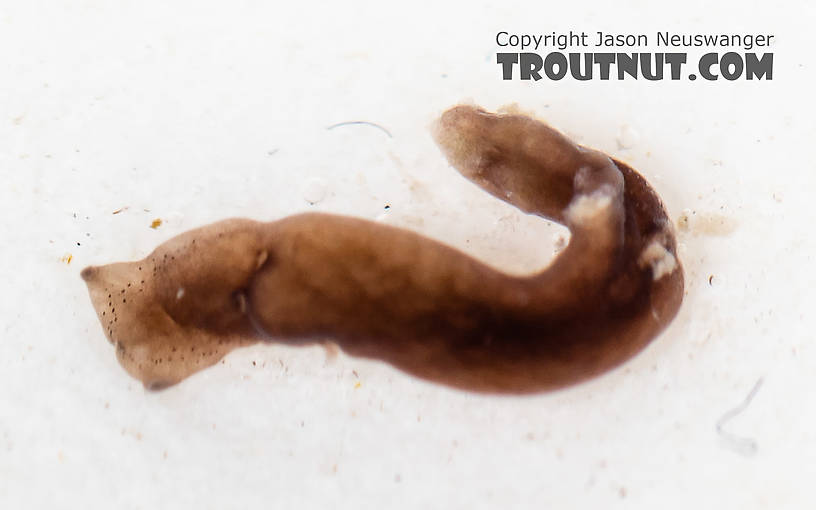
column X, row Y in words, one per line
column 663, row 263
column 261, row 259
column 584, row 208
column 180, row 293
column 242, row 305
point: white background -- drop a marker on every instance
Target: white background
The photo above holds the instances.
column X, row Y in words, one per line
column 195, row 111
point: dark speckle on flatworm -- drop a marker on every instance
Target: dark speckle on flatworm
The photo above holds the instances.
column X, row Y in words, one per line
column 428, row 309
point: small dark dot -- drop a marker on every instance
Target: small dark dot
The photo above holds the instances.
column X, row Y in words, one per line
column 78, row 244
column 124, row 300
column 387, row 207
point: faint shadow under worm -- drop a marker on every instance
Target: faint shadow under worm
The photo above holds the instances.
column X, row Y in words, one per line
column 390, row 294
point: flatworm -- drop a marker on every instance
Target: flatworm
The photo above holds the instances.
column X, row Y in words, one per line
column 426, row 308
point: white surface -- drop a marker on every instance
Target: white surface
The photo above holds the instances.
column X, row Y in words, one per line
column 198, row 111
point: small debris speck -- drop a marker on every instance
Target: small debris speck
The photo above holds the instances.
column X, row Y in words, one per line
column 627, row 138
column 155, row 223
column 315, row 191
